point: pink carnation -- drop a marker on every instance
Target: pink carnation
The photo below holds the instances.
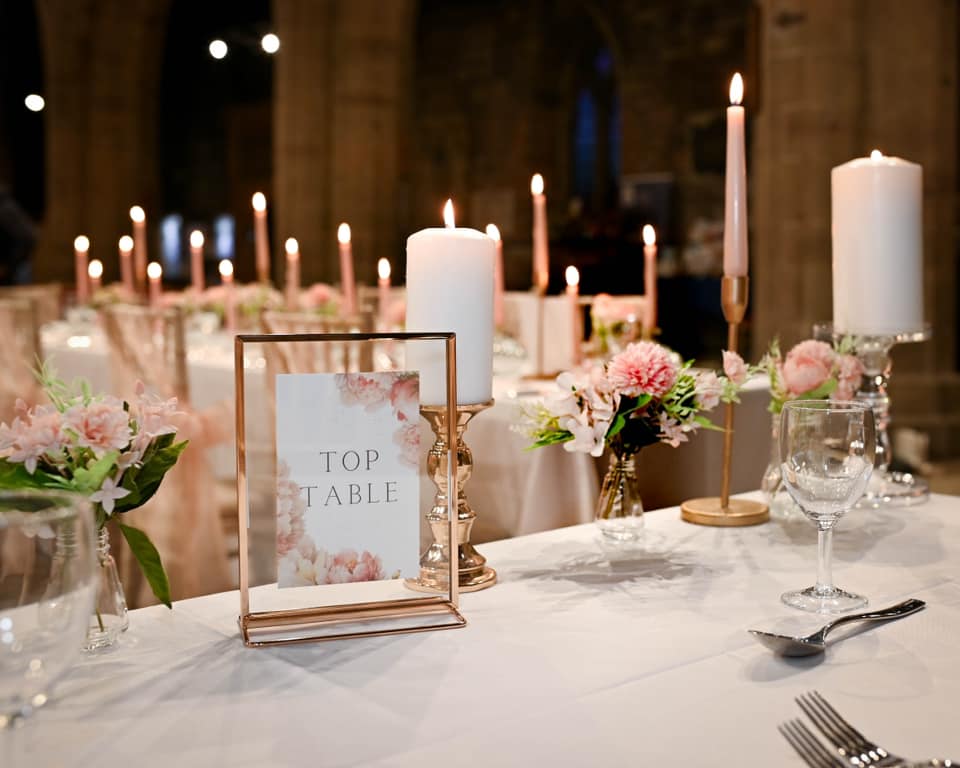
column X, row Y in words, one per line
column 102, row 425
column 644, row 367
column 734, row 367
column 849, row 377
column 808, row 366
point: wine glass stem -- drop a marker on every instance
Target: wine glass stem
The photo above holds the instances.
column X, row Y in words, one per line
column 824, row 560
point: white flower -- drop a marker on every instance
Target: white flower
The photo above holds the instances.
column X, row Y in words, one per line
column 709, row 388
column 108, row 493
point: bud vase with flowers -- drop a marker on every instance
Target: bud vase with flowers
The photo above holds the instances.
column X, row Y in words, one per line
column 115, row 453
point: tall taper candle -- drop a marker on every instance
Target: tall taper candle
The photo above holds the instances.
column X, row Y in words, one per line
column 139, row 219
column 573, row 296
column 261, row 243
column 292, row 292
column 650, row 280
column 493, row 231
column 348, row 284
column 196, row 261
column 541, row 256
column 735, row 199
column 154, row 276
column 126, row 264
column 81, row 251
column 383, row 291
column 229, row 295
column 95, row 273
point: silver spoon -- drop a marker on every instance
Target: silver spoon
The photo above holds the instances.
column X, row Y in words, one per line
column 816, row 643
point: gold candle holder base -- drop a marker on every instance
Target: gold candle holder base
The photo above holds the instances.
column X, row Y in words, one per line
column 723, row 511
column 474, row 574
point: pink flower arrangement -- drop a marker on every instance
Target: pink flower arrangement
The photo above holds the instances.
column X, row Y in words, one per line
column 374, row 390
column 812, row 370
column 321, row 298
column 643, row 368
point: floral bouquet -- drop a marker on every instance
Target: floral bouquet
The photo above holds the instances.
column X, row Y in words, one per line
column 321, row 299
column 114, row 452
column 114, row 293
column 615, row 322
column 812, row 370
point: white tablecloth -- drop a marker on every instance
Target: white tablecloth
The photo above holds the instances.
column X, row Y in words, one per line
column 577, row 658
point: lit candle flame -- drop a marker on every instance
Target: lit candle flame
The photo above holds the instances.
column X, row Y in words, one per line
column 137, row 214
column 126, row 243
column 383, row 269
column 573, row 276
column 343, row 233
column 226, row 268
column 736, row 89
column 493, row 232
column 649, row 235
column 259, row 201
column 154, row 270
column 292, row 246
column 448, row 221
column 95, row 269
column 196, row 239
column 536, row 184
column 82, row 243
column 876, row 155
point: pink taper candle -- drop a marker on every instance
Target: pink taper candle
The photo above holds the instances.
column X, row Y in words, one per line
column 573, row 295
column 81, row 251
column 292, row 248
column 229, row 297
column 196, row 261
column 154, row 276
column 735, row 202
column 383, row 291
column 95, row 273
column 261, row 244
column 126, row 263
column 650, row 279
column 139, row 219
column 494, row 232
column 541, row 257
column 347, row 283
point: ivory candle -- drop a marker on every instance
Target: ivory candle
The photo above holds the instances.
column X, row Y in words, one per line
column 877, row 220
column 81, row 252
column 573, row 296
column 261, row 243
column 292, row 247
column 735, row 198
column 95, row 273
column 139, row 219
column 498, row 283
column 541, row 256
column 347, row 282
column 154, row 276
column 196, row 261
column 383, row 290
column 450, row 288
column 126, row 264
column 229, row 297
column 650, row 279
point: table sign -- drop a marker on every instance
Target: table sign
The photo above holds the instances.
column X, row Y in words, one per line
column 338, row 487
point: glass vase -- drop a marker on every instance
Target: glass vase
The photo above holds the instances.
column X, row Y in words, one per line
column 771, row 484
column 109, row 616
column 619, row 512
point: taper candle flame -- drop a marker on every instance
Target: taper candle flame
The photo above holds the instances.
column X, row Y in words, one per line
column 736, row 89
column 95, row 270
column 448, row 220
column 137, row 214
column 383, row 269
column 81, row 243
column 226, row 268
column 126, row 243
column 343, row 233
column 292, row 246
column 259, row 201
column 493, row 231
column 649, row 235
column 573, row 276
column 536, row 184
column 196, row 239
column 154, row 270
column 876, row 155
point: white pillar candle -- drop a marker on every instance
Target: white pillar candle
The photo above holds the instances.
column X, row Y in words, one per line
column 498, row 282
column 383, row 290
column 650, row 279
column 81, row 251
column 735, row 199
column 573, row 296
column 877, row 224
column 126, row 263
column 347, row 282
column 450, row 288
column 196, row 261
column 292, row 292
column 154, row 277
column 261, row 243
column 229, row 296
column 95, row 273
column 541, row 257
column 139, row 219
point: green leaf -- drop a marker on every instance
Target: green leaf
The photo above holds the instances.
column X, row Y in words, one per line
column 823, row 391
column 144, row 482
column 89, row 479
column 149, row 560
column 14, row 475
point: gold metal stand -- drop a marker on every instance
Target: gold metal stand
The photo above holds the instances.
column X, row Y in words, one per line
column 473, row 572
column 724, row 511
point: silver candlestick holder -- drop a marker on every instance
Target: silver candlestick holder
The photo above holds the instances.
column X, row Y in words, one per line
column 887, row 488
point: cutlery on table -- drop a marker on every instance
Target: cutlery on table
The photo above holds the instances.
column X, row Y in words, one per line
column 816, row 642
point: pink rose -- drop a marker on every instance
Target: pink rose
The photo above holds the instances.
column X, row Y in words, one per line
column 358, row 389
column 734, row 367
column 644, row 367
column 102, row 425
column 849, row 377
column 405, row 398
column 808, row 366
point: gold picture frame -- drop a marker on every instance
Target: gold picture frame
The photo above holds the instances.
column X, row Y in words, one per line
column 352, row 619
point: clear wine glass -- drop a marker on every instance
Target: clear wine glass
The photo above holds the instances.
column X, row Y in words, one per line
column 826, row 457
column 47, row 589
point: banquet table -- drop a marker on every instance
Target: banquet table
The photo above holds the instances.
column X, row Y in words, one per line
column 581, row 655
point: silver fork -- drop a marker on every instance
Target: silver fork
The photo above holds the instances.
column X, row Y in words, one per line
column 853, row 746
column 808, row 746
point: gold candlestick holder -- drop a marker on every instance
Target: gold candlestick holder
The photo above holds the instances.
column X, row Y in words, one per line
column 722, row 510
column 474, row 574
